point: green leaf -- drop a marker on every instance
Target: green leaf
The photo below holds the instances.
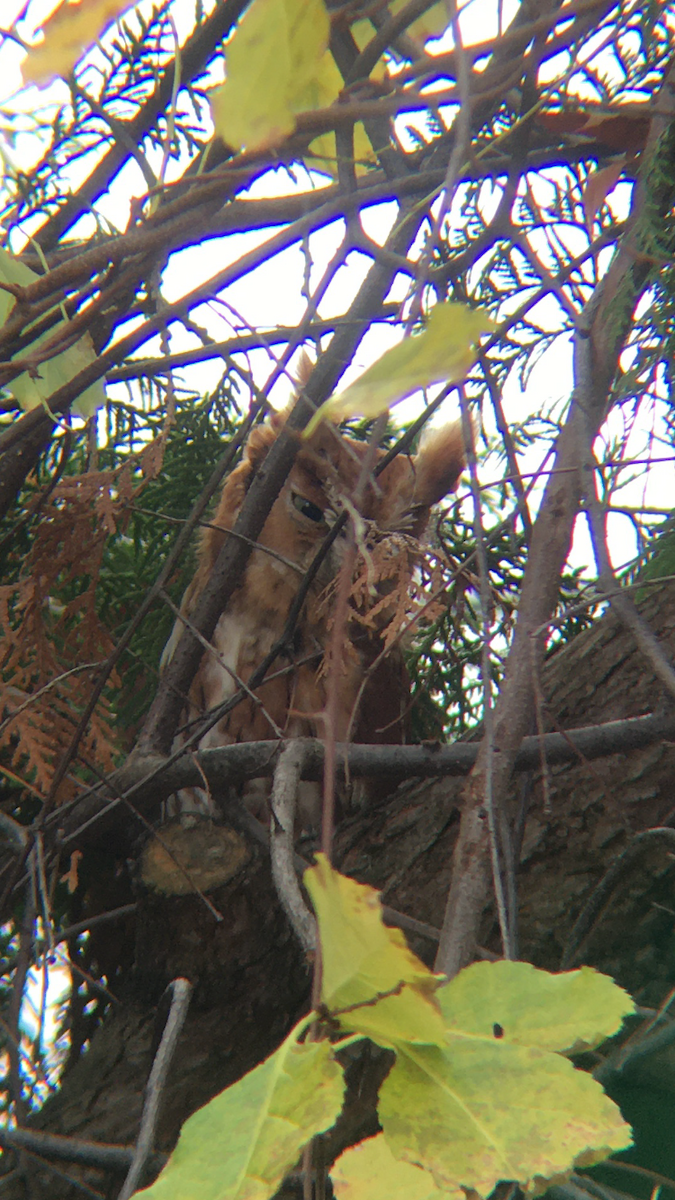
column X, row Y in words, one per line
column 571, row 1011
column 240, row 1145
column 444, row 351
column 370, row 1170
column 54, row 372
column 278, row 65
column 363, row 960
column 274, row 60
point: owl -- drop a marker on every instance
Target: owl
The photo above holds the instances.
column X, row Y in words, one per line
column 392, row 519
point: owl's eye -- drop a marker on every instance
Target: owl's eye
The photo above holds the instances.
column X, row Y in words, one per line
column 306, row 507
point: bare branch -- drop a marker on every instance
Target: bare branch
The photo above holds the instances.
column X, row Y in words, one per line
column 601, row 330
column 283, row 801
column 194, row 57
column 620, row 600
column 96, row 817
column 181, row 990
column 74, row 1150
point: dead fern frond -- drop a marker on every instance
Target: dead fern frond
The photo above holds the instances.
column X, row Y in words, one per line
column 51, row 632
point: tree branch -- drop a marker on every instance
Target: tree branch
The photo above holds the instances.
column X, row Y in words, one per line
column 287, row 776
column 181, row 990
column 621, row 601
column 601, row 331
column 194, row 55
column 74, row 1150
column 95, row 816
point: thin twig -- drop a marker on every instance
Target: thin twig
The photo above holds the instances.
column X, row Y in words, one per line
column 500, row 847
column 215, row 654
column 287, row 778
column 71, row 1180
column 460, row 151
column 43, row 890
column 339, row 634
column 69, row 1149
column 137, row 368
column 622, row 603
column 23, row 962
column 181, row 990
column 113, row 914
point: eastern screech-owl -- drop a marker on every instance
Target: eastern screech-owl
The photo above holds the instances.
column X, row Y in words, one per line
column 395, row 511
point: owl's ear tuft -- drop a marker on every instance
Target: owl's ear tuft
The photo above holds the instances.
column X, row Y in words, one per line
column 439, row 463
column 259, row 441
column 304, row 370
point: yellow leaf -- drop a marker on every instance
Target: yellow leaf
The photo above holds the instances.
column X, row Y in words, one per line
column 443, row 352
column 240, row 1145
column 571, row 1011
column 68, row 33
column 431, row 24
column 367, row 968
column 370, row 1169
column 496, row 1103
column 484, row 1110
column 273, row 60
column 53, row 373
column 323, row 89
column 322, row 154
